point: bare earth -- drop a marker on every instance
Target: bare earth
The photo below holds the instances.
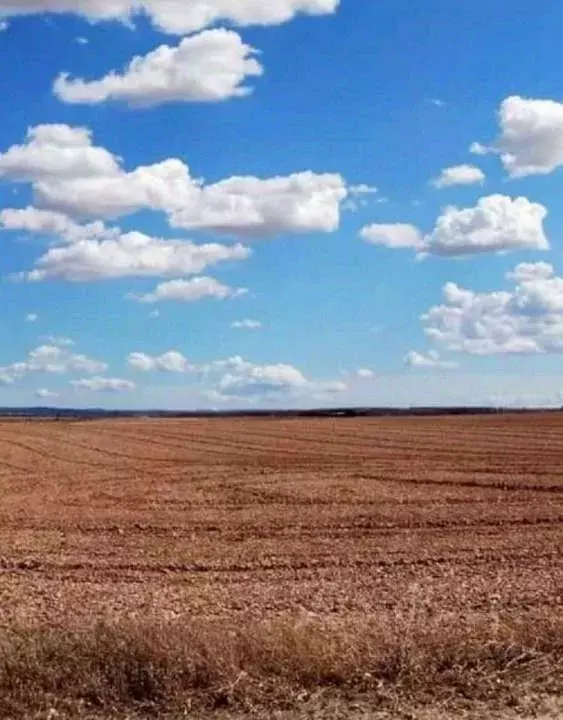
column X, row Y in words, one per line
column 258, row 518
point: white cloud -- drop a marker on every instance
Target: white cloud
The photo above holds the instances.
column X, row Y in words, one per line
column 56, row 359
column 50, row 359
column 104, row 384
column 238, row 379
column 31, row 317
column 163, row 187
column 197, row 288
column 94, row 251
column 249, row 206
column 45, row 394
column 246, row 324
column 71, row 176
column 82, row 41
column 57, row 152
column 50, row 223
column 208, row 67
column 365, row 373
column 179, row 17
column 531, row 271
column 362, row 190
column 171, row 361
column 233, row 364
column 263, row 380
column 517, row 400
column 358, row 196
column 436, row 102
column 59, row 340
column 395, row 235
column 531, row 136
column 496, row 224
column 459, row 175
column 528, row 319
column 37, row 221
column 242, row 379
column 4, row 25
column 131, row 255
column 477, row 148
column 430, row 360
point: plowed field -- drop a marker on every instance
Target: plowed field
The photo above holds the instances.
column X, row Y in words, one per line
column 257, row 518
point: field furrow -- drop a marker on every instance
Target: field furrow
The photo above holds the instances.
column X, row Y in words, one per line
column 260, row 517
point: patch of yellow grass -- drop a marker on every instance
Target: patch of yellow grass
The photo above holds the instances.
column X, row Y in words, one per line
column 419, row 656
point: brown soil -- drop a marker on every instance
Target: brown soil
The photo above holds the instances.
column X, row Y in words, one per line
column 248, row 520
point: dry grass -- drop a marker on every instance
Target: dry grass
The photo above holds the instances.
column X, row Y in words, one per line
column 413, row 656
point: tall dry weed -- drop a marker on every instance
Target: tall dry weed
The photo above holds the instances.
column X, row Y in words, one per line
column 414, row 653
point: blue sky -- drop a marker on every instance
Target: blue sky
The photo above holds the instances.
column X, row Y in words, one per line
column 298, row 203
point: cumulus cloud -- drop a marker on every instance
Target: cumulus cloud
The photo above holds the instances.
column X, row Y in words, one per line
column 208, row 67
column 57, row 152
column 394, row 235
column 263, row 380
column 249, row 206
column 31, row 317
column 358, row 196
column 72, row 176
column 236, row 378
column 59, row 340
column 50, row 359
column 236, row 363
column 104, row 384
column 531, row 271
column 131, row 255
column 246, row 324
column 162, row 187
column 33, row 220
column 459, row 175
column 430, row 360
column 197, row 288
column 171, row 361
column 528, row 319
column 94, row 251
column 176, row 16
column 496, row 224
column 54, row 224
column 516, row 400
column 531, row 136
column 45, row 394
column 365, row 373
column 239, row 378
